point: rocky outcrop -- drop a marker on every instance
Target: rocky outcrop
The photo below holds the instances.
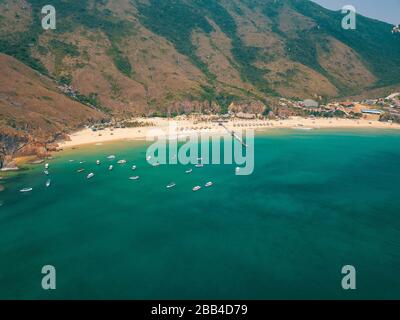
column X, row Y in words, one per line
column 247, row 107
column 11, row 141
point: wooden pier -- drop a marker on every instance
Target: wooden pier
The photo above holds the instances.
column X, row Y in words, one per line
column 233, row 134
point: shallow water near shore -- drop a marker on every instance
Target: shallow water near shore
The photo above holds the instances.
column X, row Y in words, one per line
column 317, row 200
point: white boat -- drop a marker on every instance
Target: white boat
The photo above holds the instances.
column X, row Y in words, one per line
column 90, row 175
column 110, row 167
column 133, row 167
column 97, row 162
column 156, row 164
column 189, row 171
column 171, row 185
column 199, row 165
column 111, row 157
column 196, row 188
column 208, row 184
column 121, row 161
column 80, row 170
column 46, row 166
column 26, row 190
column 237, row 169
column 46, row 172
column 82, row 162
column 48, row 182
column 71, row 160
column 134, row 178
column 148, row 158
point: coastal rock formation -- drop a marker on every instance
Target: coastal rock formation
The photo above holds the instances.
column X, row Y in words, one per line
column 33, row 113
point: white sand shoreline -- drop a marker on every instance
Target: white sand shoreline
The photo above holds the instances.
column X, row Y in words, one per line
column 187, row 127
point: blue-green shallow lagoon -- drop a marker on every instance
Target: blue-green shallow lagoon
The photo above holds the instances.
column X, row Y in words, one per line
column 316, row 201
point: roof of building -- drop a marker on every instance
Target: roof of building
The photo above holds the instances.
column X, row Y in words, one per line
column 393, row 95
column 310, row 103
column 371, row 111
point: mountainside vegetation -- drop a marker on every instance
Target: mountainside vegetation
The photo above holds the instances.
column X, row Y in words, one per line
column 166, row 57
column 265, row 46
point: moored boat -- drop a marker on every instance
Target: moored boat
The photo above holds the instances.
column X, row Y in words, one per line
column 134, row 178
column 90, row 175
column 196, row 188
column 121, row 161
column 26, row 190
column 189, row 171
column 171, row 185
column 48, row 182
column 208, row 184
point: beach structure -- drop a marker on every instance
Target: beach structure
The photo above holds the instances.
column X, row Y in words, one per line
column 393, row 95
column 247, row 116
column 371, row 111
column 308, row 103
column 234, row 135
column 347, row 104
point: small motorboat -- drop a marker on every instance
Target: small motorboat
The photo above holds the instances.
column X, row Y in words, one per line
column 80, row 170
column 156, row 164
column 133, row 167
column 48, row 182
column 121, row 162
column 110, row 167
column 237, row 169
column 148, row 158
column 111, row 157
column 46, row 166
column 90, row 175
column 82, row 162
column 134, row 178
column 26, row 190
column 208, row 184
column 97, row 162
column 71, row 160
column 171, row 185
column 46, row 172
column 189, row 171
column 199, row 165
column 196, row 188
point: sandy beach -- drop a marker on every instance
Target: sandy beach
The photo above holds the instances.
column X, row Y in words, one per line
column 175, row 127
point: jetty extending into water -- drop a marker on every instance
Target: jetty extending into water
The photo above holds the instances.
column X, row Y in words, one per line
column 233, row 134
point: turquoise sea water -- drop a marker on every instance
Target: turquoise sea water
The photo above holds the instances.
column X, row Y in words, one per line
column 316, row 201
